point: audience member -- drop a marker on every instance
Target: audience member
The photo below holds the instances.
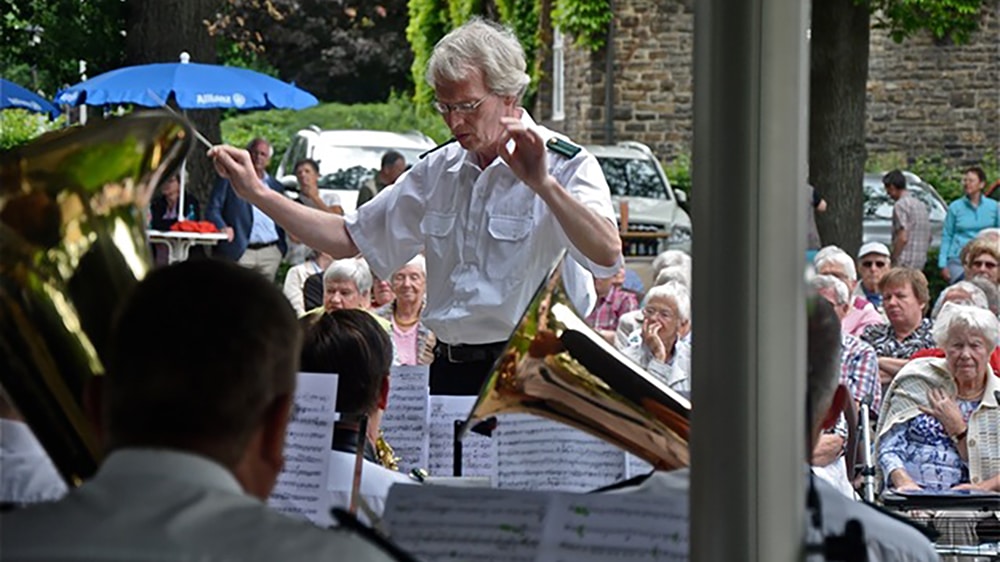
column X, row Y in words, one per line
column 164, row 211
column 351, row 344
column 393, row 166
column 347, row 283
column 911, row 226
column 861, row 313
column 612, row 303
column 628, row 332
column 381, row 292
column 254, row 239
column 194, row 438
column 307, row 174
column 666, row 309
column 966, row 216
column 27, row 474
column 905, row 297
column 992, row 292
column 981, row 258
column 295, row 280
column 873, row 263
column 414, row 342
column 671, row 258
column 966, row 293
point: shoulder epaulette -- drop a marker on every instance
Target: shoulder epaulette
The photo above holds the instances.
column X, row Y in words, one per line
column 563, row 147
column 438, row 147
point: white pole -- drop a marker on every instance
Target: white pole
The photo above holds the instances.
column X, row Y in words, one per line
column 83, row 78
column 181, row 215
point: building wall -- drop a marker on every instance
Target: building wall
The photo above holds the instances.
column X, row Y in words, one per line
column 924, row 99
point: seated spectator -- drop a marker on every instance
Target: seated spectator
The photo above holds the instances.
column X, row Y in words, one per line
column 381, row 292
column 27, row 474
column 164, row 211
column 873, row 263
column 194, row 439
column 677, row 273
column 938, row 426
column 628, row 332
column 295, row 280
column 392, row 166
column 981, row 258
column 991, row 291
column 905, row 297
column 964, row 293
column 351, row 344
column 414, row 342
column 665, row 311
column 671, row 258
column 836, row 262
column 347, row 283
column 612, row 303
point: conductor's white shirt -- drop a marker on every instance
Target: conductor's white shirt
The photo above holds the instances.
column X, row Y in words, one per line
column 27, row 475
column 488, row 238
column 146, row 504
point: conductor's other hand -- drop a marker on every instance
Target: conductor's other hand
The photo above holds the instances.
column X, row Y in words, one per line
column 527, row 159
column 235, row 165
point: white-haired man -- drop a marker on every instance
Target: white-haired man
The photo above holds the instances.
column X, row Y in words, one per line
column 490, row 211
column 831, row 260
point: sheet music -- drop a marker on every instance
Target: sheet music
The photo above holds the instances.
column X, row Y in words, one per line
column 635, row 466
column 300, row 490
column 535, row 453
column 603, row 527
column 406, row 421
column 479, row 453
column 482, row 524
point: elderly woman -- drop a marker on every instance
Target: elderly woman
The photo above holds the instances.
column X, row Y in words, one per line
column 834, row 261
column 666, row 313
column 295, row 280
column 347, row 283
column 939, row 420
column 981, row 258
column 904, row 297
column 966, row 216
column 414, row 341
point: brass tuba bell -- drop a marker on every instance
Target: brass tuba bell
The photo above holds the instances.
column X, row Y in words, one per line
column 72, row 242
column 558, row 367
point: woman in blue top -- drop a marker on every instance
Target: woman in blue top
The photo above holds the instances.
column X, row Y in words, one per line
column 966, row 217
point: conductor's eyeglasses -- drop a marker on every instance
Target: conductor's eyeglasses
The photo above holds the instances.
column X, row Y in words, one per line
column 464, row 107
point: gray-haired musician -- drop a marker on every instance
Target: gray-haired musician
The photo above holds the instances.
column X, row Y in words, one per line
column 194, row 434
column 491, row 211
column 885, row 539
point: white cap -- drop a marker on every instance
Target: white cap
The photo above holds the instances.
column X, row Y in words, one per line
column 873, row 248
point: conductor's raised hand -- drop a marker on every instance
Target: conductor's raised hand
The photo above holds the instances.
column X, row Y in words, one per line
column 527, row 159
column 235, row 165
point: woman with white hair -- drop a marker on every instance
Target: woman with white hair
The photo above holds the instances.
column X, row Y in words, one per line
column 660, row 350
column 414, row 342
column 347, row 283
column 938, row 428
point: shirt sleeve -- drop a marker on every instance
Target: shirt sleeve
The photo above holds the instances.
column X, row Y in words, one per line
column 387, row 228
column 947, row 233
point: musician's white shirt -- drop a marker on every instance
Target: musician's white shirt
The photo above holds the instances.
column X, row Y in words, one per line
column 887, row 540
column 27, row 475
column 375, row 483
column 169, row 506
column 488, row 238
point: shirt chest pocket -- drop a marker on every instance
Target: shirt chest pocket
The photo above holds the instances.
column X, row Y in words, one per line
column 437, row 228
column 508, row 238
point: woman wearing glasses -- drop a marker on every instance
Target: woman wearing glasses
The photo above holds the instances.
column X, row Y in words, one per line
column 660, row 347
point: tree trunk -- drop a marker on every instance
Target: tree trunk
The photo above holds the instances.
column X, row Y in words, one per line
column 837, row 87
column 158, row 31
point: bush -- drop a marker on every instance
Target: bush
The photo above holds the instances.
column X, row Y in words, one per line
column 946, row 178
column 279, row 126
column 18, row 126
column 679, row 173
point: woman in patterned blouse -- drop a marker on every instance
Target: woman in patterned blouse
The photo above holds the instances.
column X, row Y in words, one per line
column 940, row 419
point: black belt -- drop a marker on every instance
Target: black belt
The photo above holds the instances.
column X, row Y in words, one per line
column 260, row 245
column 468, row 353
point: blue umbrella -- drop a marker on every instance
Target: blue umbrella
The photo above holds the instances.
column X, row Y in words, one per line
column 194, row 86
column 13, row 95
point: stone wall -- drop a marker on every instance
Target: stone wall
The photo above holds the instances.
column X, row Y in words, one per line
column 924, row 98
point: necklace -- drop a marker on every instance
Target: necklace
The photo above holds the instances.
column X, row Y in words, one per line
column 404, row 324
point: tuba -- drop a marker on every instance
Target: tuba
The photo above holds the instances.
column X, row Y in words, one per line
column 72, row 243
column 558, row 367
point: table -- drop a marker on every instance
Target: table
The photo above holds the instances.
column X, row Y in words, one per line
column 179, row 243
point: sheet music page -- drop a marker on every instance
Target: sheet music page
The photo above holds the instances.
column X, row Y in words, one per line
column 479, row 453
column 435, row 523
column 406, row 420
column 301, row 487
column 535, row 453
column 636, row 466
column 605, row 527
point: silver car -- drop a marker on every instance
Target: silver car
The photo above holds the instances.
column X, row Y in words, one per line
column 637, row 179
column 877, row 212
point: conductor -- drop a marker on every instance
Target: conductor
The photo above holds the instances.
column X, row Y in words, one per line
column 491, row 210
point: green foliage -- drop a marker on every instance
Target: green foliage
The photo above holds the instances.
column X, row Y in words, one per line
column 679, row 173
column 947, row 179
column 460, row 11
column 44, row 40
column 18, row 126
column 428, row 24
column 585, row 20
column 523, row 17
column 946, row 20
column 935, row 283
column 278, row 126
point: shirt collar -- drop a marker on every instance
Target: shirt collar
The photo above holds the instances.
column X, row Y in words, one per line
column 169, row 464
column 468, row 158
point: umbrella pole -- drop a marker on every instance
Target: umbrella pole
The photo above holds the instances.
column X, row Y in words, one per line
column 181, row 216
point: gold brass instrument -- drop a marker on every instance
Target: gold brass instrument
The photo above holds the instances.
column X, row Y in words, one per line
column 558, row 367
column 384, row 453
column 72, row 243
